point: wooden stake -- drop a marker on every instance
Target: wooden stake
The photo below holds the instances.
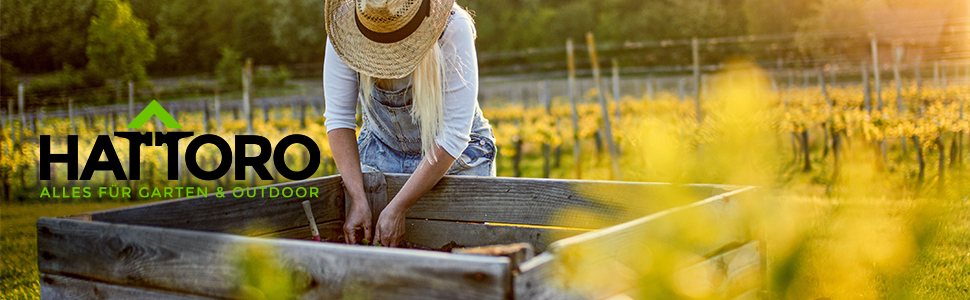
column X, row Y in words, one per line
column 131, row 101
column 20, row 108
column 608, row 128
column 900, row 108
column 875, row 69
column 545, row 101
column 314, row 231
column 572, row 101
column 697, row 79
column 247, row 77
column 616, row 89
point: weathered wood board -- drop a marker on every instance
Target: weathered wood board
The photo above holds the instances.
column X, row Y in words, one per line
column 202, row 263
column 61, row 287
column 567, row 203
column 726, row 275
column 248, row 216
column 190, row 248
column 680, row 236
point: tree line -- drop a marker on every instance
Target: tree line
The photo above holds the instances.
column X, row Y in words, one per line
column 191, row 36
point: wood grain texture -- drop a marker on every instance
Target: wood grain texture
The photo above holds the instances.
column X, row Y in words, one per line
column 331, row 231
column 245, row 215
column 56, row 287
column 673, row 238
column 569, row 203
column 375, row 187
column 203, row 263
column 539, row 280
column 435, row 234
column 726, row 275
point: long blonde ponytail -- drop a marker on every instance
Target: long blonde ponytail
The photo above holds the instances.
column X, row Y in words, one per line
column 427, row 88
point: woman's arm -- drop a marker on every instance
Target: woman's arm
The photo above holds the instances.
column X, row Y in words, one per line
column 390, row 225
column 340, row 86
column 343, row 145
column 460, row 103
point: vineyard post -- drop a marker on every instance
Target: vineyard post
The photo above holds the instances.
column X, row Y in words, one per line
column 106, row 130
column 774, row 84
column 936, row 74
column 218, row 112
column 70, row 112
column 517, row 159
column 608, row 128
column 805, row 79
column 919, row 78
column 943, row 83
column 826, row 126
column 265, row 113
column 875, row 70
column 205, row 116
column 650, row 88
column 866, row 93
column 20, row 109
column 616, row 89
column 9, row 117
column 131, row 101
column 832, row 78
column 832, row 131
column 698, row 87
column 572, row 102
column 919, row 158
column 680, row 89
column 899, row 91
column 41, row 115
column 942, row 158
column 791, row 79
column 247, row 77
column 302, row 114
column 544, row 99
column 804, row 141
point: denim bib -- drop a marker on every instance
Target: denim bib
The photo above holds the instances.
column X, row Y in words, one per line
column 390, row 141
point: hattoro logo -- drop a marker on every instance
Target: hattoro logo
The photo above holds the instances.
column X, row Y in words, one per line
column 103, row 145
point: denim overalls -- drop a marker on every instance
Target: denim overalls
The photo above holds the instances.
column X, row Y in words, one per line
column 390, row 142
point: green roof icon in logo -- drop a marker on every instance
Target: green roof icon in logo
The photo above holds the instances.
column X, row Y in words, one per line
column 154, row 109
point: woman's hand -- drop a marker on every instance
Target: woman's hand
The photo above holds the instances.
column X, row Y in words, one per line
column 390, row 226
column 358, row 218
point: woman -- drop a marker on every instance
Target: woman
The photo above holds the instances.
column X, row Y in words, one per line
column 414, row 68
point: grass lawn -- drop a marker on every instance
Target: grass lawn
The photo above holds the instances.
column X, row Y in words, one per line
column 18, row 243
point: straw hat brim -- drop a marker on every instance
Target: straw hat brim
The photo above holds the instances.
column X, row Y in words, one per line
column 383, row 60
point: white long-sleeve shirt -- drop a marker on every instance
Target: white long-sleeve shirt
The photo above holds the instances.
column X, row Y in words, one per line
column 460, row 98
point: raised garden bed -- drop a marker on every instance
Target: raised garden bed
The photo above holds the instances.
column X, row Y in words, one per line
column 179, row 249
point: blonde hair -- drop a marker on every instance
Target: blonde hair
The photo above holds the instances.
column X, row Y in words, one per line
column 427, row 88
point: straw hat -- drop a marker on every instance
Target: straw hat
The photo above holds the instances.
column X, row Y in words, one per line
column 385, row 38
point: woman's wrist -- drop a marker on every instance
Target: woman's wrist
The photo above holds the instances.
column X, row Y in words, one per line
column 398, row 206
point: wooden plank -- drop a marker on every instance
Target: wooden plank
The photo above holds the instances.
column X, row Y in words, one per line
column 726, row 275
column 670, row 237
column 331, row 231
column 568, row 203
column 517, row 253
column 245, row 215
column 435, row 234
column 204, row 263
column 375, row 187
column 60, row 287
column 539, row 279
